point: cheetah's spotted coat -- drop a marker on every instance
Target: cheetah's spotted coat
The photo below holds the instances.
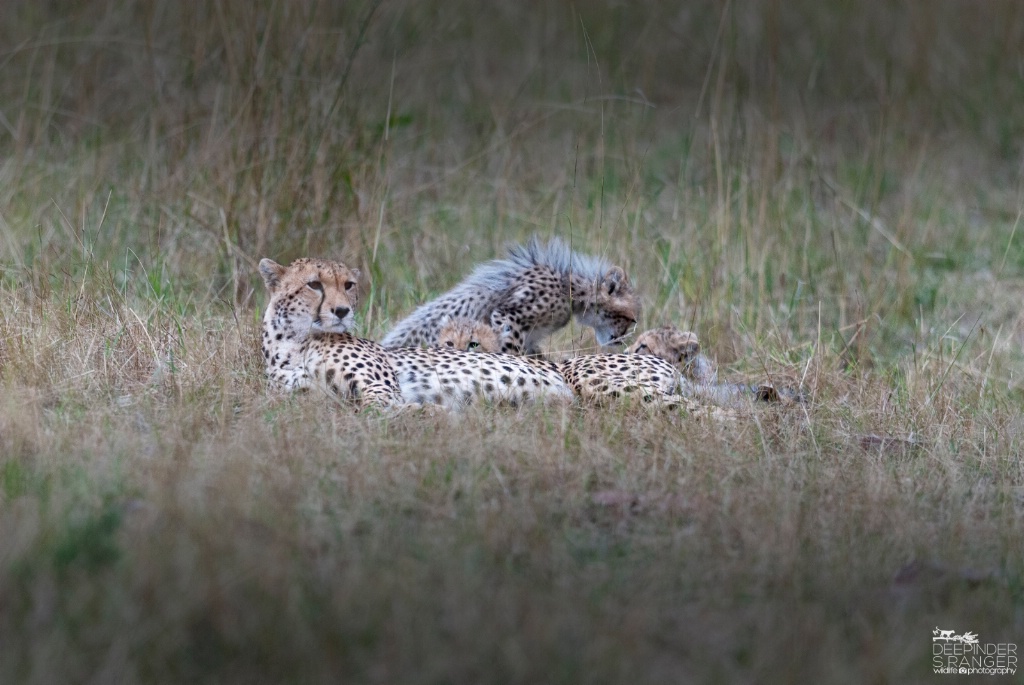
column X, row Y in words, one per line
column 306, row 344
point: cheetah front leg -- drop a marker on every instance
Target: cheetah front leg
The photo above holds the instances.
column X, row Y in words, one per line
column 380, row 396
column 509, row 330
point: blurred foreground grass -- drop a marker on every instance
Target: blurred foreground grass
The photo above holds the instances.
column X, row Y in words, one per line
column 829, row 193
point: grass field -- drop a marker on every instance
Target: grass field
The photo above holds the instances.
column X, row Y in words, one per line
column 829, row 193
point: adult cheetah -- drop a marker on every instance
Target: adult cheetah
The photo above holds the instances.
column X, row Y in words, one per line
column 307, row 344
column 540, row 287
column 306, row 339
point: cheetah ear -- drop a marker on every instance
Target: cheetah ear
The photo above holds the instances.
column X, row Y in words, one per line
column 445, row 320
column 692, row 345
column 271, row 272
column 614, row 280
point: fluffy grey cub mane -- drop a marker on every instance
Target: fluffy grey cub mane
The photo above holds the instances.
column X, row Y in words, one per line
column 480, row 292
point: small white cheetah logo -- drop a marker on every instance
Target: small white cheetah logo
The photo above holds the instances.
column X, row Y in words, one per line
column 967, row 638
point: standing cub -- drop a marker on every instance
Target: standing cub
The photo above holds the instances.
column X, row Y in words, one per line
column 539, row 288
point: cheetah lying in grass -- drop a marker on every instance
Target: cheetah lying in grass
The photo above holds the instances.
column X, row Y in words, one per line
column 679, row 348
column 537, row 288
column 595, row 378
column 700, row 377
column 661, row 361
column 307, row 344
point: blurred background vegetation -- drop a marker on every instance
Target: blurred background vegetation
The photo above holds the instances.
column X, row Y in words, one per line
column 756, row 156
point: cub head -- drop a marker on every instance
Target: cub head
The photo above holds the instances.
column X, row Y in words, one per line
column 612, row 308
column 679, row 348
column 314, row 295
column 468, row 335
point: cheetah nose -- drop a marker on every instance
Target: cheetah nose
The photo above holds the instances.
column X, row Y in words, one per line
column 341, row 312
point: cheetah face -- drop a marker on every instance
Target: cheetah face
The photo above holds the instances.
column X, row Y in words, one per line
column 313, row 295
column 467, row 335
column 613, row 308
column 680, row 348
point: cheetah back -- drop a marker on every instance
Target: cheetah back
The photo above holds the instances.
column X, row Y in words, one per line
column 600, row 377
column 454, row 378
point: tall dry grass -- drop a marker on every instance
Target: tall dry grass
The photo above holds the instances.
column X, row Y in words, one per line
column 829, row 193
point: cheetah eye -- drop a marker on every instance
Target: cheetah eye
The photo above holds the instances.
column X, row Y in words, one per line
column 473, row 345
column 641, row 346
column 449, row 343
column 349, row 285
column 316, row 285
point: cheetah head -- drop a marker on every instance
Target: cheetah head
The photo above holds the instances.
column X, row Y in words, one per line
column 611, row 308
column 468, row 335
column 311, row 295
column 680, row 348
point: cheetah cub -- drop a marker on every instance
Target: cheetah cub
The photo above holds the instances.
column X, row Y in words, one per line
column 540, row 287
column 595, row 378
column 307, row 344
column 466, row 334
column 679, row 348
column 700, row 376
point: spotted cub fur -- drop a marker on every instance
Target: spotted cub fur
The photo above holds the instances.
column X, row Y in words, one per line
column 700, row 376
column 539, row 287
column 679, row 348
